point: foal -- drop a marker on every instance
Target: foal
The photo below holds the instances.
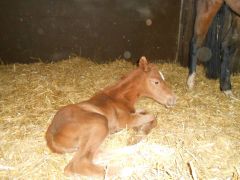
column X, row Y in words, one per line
column 82, row 127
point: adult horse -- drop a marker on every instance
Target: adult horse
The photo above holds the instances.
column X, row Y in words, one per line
column 206, row 10
column 82, row 127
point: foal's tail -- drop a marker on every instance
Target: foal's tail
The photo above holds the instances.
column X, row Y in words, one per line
column 49, row 139
column 50, row 142
column 58, row 143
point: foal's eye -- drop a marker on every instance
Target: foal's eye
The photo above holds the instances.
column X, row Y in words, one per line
column 154, row 81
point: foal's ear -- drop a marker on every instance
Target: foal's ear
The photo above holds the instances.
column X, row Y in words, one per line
column 143, row 63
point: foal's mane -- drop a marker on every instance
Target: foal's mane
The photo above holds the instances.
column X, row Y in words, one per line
column 134, row 75
column 125, row 79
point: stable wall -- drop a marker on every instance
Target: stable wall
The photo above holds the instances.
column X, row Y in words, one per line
column 52, row 30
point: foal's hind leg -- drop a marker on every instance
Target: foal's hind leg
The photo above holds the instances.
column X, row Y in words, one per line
column 82, row 162
column 206, row 10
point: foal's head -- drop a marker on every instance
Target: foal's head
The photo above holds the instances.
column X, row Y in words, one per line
column 154, row 85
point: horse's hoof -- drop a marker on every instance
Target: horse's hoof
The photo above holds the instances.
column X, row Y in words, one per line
column 229, row 94
column 191, row 80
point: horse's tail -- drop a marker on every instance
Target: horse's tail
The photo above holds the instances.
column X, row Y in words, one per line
column 214, row 39
column 235, row 62
column 213, row 42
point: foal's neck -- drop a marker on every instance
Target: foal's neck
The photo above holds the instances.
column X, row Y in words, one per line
column 128, row 89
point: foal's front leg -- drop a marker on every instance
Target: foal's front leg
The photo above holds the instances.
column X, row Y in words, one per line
column 140, row 121
column 140, row 118
column 145, row 128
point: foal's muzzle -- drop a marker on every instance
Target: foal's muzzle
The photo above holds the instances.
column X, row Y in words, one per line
column 171, row 101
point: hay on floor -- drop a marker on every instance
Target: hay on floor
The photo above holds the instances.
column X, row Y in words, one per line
column 197, row 139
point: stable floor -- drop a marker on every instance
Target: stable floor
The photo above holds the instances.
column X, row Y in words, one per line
column 198, row 138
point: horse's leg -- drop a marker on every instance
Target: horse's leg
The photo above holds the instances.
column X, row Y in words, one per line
column 91, row 139
column 206, row 10
column 225, row 82
column 193, row 60
column 234, row 5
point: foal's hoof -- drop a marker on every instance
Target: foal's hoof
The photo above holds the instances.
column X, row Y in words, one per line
column 228, row 93
column 112, row 171
column 84, row 169
column 68, row 171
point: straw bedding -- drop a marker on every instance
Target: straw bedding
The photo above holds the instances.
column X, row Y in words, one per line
column 197, row 139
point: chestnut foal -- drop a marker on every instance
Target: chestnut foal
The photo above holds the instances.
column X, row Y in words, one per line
column 82, row 127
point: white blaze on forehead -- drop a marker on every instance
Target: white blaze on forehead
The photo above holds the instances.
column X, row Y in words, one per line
column 161, row 74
